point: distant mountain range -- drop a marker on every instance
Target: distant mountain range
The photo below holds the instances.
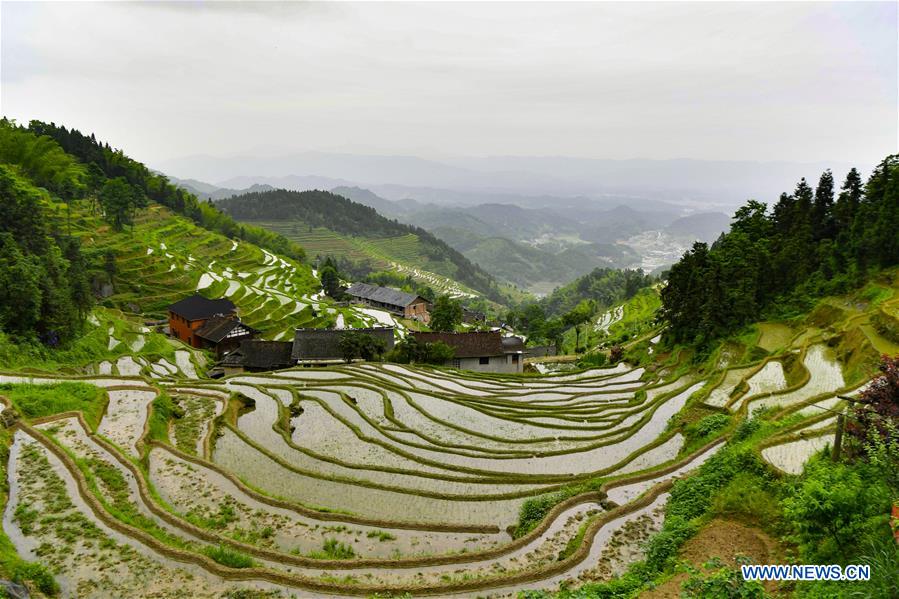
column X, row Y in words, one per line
column 535, row 248
column 475, row 179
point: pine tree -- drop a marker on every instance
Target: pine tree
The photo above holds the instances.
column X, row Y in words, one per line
column 822, row 210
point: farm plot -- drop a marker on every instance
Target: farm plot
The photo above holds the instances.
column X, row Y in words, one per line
column 791, row 457
column 826, row 377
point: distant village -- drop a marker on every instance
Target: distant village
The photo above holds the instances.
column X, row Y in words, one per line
column 214, row 324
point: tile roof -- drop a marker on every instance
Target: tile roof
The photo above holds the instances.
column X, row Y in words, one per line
column 385, row 295
column 513, row 344
column 259, row 354
column 218, row 328
column 324, row 344
column 467, row 345
column 197, row 307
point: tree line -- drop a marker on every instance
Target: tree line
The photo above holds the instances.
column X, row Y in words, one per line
column 576, row 303
column 45, row 290
column 109, row 173
column 813, row 242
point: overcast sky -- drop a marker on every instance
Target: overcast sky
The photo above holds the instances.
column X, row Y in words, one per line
column 770, row 81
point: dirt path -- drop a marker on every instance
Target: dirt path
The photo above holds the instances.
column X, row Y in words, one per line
column 724, row 539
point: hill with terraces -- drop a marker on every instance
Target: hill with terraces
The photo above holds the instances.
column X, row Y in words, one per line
column 327, row 224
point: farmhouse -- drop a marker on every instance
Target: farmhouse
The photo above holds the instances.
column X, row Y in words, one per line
column 407, row 305
column 206, row 323
column 481, row 351
column 473, row 317
column 256, row 355
column 322, row 346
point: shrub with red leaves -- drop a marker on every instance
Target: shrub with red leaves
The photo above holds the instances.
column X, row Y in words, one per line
column 878, row 404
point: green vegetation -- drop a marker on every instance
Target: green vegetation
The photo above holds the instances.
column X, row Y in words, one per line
column 229, row 557
column 105, row 162
column 45, row 291
column 571, row 307
column 377, row 238
column 411, row 351
column 605, row 286
column 779, row 263
column 716, row 581
column 163, row 409
column 62, row 190
column 533, row 511
column 37, row 401
column 446, row 314
column 333, row 549
column 354, row 344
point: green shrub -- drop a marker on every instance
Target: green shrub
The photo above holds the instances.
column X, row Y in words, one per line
column 662, row 549
column 834, row 508
column 709, row 425
column 721, row 583
column 533, row 510
column 746, row 429
column 37, row 573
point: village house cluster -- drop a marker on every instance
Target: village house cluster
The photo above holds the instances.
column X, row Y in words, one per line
column 214, row 324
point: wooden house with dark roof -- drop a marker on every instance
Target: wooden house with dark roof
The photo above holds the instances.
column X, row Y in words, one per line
column 482, row 351
column 257, row 355
column 208, row 323
column 322, row 346
column 406, row 305
column 224, row 334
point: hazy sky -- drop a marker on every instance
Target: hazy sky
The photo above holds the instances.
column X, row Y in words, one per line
column 760, row 81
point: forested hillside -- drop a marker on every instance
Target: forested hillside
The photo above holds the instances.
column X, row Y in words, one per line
column 44, row 284
column 411, row 246
column 101, row 162
column 74, row 233
column 605, row 286
column 813, row 242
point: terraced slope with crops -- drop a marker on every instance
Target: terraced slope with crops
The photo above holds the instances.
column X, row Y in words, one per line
column 388, row 253
column 166, row 257
column 363, row 236
column 379, row 478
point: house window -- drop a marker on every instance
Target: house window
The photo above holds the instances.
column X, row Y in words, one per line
column 457, row 363
column 483, row 360
column 515, row 358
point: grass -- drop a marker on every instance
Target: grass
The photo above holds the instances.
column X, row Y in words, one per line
column 334, row 549
column 163, row 410
column 228, row 557
column 37, row 401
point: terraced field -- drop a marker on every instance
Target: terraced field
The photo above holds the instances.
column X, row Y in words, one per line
column 388, row 479
column 353, row 480
column 165, row 257
column 372, row 478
